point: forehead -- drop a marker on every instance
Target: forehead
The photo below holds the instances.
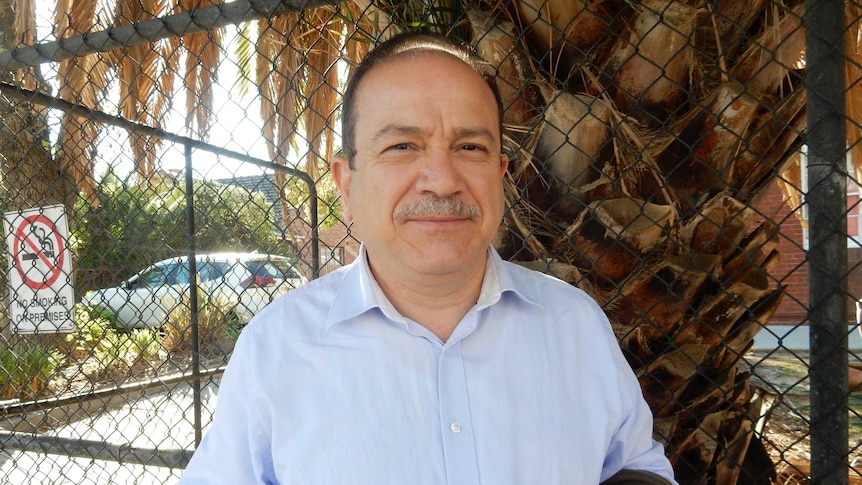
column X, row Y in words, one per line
column 422, row 67
column 412, row 83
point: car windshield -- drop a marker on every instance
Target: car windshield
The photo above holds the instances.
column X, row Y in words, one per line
column 272, row 269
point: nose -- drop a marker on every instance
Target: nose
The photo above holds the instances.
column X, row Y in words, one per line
column 439, row 174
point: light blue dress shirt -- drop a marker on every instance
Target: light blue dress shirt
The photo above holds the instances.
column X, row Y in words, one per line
column 331, row 385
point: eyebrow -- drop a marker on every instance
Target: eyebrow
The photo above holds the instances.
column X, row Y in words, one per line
column 395, row 130
column 390, row 130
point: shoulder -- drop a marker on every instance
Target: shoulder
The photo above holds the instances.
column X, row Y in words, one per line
column 569, row 313
column 543, row 288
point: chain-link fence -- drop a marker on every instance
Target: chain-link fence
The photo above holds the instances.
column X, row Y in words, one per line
column 692, row 165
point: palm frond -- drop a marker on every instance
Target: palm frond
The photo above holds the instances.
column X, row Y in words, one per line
column 83, row 81
column 244, row 51
column 138, row 69
column 853, row 73
column 763, row 67
column 320, row 88
column 368, row 24
column 202, row 51
column 563, row 27
column 651, row 65
column 24, row 33
column 279, row 66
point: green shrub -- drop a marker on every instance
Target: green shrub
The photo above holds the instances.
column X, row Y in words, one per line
column 26, row 369
column 110, row 351
column 217, row 322
column 92, row 324
column 119, row 352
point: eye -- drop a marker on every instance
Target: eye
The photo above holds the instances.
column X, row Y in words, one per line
column 400, row 147
column 474, row 151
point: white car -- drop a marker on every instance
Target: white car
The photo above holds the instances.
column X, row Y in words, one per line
column 245, row 281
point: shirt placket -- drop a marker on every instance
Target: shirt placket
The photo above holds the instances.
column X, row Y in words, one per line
column 459, row 447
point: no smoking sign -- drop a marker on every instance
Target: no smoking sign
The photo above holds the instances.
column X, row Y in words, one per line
column 41, row 294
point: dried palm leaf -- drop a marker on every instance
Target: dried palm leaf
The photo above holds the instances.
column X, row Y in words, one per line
column 718, row 227
column 574, row 131
column 694, row 454
column 589, row 243
column 697, row 150
column 652, row 304
column 741, row 337
column 495, row 43
column 779, row 49
column 564, row 28
column 633, row 155
column 853, row 73
column 24, row 33
column 651, row 66
column 320, row 87
column 202, row 59
column 722, row 142
column 524, row 219
column 277, row 64
column 669, row 375
column 718, row 316
column 641, row 225
column 755, row 250
column 790, row 183
column 370, row 24
column 777, row 138
column 83, row 81
column 731, row 21
column 137, row 71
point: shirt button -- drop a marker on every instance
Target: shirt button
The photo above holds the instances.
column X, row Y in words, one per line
column 455, row 427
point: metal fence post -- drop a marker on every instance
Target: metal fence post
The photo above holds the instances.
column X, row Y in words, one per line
column 826, row 198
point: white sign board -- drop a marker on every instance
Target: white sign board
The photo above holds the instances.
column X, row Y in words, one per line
column 41, row 295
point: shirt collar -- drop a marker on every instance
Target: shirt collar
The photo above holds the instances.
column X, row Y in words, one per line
column 359, row 291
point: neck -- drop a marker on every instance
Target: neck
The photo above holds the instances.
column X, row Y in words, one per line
column 437, row 302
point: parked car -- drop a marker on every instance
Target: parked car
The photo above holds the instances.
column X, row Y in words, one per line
column 246, row 282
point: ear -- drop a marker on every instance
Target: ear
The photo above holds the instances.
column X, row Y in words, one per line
column 341, row 174
column 504, row 164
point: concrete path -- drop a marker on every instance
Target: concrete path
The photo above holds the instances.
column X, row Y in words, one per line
column 159, row 420
column 796, row 338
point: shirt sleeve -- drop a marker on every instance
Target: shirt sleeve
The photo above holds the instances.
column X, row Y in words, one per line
column 633, row 447
column 236, row 448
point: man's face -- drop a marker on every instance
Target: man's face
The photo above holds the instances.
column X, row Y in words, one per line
column 427, row 129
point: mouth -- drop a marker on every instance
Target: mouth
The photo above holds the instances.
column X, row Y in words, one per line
column 443, row 219
column 432, row 225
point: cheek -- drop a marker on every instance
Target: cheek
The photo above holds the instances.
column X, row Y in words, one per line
column 369, row 207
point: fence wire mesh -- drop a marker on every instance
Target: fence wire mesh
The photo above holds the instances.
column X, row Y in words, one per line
column 658, row 160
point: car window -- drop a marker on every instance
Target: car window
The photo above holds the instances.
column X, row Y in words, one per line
column 272, row 269
column 212, row 270
column 154, row 277
column 179, row 274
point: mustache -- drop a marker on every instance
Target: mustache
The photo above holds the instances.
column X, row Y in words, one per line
column 436, row 206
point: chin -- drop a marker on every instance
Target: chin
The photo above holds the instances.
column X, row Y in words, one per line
column 444, row 263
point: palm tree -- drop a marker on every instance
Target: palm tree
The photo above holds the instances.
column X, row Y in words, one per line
column 643, row 135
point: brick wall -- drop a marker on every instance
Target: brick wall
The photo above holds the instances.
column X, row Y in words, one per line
column 792, row 269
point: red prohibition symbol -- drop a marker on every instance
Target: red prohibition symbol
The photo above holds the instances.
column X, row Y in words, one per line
column 37, row 243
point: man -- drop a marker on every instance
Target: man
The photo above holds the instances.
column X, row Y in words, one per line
column 429, row 360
